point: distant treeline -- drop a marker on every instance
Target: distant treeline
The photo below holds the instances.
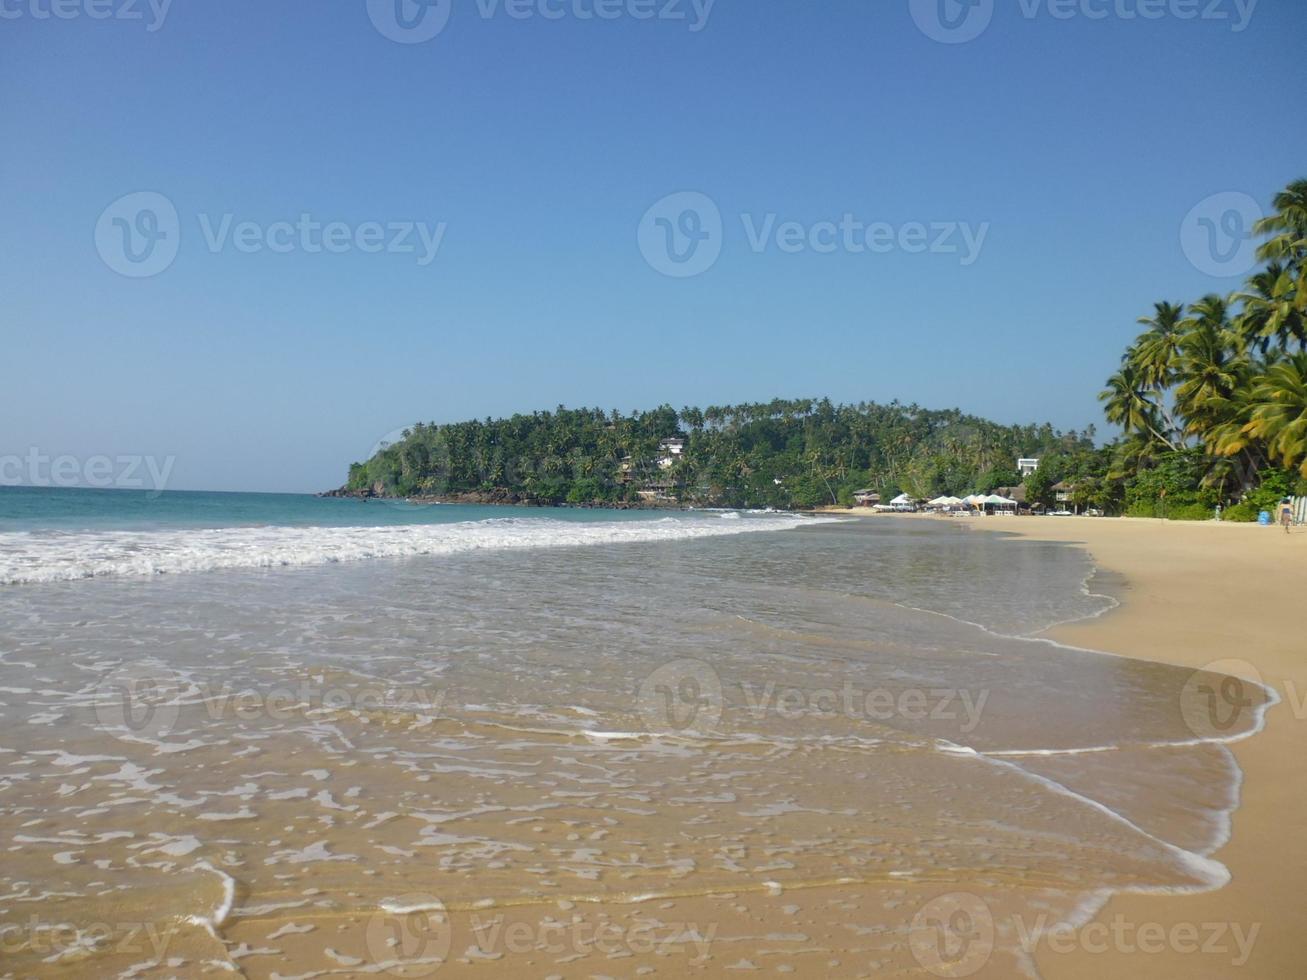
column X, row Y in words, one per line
column 1211, row 401
column 783, row 454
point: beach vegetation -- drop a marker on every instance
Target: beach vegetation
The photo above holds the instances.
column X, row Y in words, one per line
column 787, row 453
column 1211, row 398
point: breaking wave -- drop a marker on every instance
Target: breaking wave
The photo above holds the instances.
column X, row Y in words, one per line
column 52, row 556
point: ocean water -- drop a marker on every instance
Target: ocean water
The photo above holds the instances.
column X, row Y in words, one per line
column 283, row 736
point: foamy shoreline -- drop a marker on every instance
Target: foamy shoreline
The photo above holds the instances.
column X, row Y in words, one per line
column 815, row 808
column 31, row 557
column 1198, row 593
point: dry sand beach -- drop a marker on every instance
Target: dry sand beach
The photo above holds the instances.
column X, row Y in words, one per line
column 1194, row 593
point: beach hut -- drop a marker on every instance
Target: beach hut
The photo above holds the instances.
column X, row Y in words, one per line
column 944, row 503
column 903, row 502
column 1001, row 505
column 1017, row 493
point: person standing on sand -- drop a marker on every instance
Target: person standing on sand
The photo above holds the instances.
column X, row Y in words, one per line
column 1286, row 514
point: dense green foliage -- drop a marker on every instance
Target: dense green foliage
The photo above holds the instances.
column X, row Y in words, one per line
column 1085, row 469
column 780, row 454
column 1212, row 399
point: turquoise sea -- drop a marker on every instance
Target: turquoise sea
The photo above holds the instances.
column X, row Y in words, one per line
column 41, row 508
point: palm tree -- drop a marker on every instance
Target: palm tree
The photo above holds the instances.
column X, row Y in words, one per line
column 1287, row 227
column 1211, row 368
column 1155, row 355
column 1287, row 242
column 1156, row 349
column 1127, row 404
column 1271, row 311
column 1279, row 414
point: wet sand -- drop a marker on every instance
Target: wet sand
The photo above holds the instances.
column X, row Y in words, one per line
column 566, row 841
column 1193, row 594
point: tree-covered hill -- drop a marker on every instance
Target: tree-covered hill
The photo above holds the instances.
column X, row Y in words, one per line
column 784, row 453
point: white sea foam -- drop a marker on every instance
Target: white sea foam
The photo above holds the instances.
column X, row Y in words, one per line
column 1212, row 873
column 222, row 909
column 30, row 557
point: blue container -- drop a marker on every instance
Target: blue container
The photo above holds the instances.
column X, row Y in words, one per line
column 1264, row 518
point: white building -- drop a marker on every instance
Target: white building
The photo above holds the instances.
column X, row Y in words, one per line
column 669, row 451
column 675, row 446
column 1027, row 466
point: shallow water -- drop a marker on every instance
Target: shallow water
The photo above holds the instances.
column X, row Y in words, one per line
column 794, row 747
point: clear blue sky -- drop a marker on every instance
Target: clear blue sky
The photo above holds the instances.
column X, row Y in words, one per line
column 1081, row 143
